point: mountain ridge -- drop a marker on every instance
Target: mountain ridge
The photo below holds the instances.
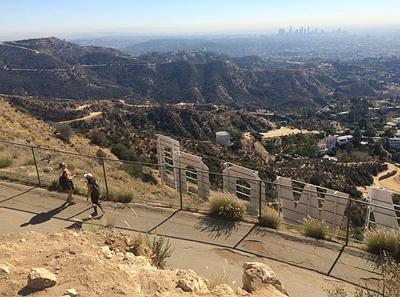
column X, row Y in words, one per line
column 50, row 67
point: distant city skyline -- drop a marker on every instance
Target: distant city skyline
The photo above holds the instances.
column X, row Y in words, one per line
column 66, row 18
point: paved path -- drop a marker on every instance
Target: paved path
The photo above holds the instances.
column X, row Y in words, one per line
column 206, row 245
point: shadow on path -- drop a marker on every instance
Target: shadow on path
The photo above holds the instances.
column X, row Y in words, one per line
column 45, row 216
column 216, row 227
column 163, row 222
column 18, row 195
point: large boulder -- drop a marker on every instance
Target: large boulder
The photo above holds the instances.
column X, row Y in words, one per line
column 40, row 278
column 259, row 277
column 188, row 281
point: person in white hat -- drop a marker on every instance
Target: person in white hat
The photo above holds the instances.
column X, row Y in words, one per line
column 94, row 193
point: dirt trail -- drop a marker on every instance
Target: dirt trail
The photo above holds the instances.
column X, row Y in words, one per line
column 92, row 115
column 391, row 183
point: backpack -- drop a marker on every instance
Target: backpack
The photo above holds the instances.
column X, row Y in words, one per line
column 63, row 182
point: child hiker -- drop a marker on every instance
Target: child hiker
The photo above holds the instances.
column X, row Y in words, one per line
column 94, row 193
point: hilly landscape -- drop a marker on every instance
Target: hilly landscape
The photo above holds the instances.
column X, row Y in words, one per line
column 53, row 68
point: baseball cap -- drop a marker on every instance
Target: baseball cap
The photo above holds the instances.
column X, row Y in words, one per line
column 88, row 175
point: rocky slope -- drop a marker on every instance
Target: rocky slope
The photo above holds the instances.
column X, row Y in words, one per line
column 97, row 264
column 18, row 126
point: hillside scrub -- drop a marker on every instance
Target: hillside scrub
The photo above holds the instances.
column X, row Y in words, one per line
column 315, row 228
column 227, row 206
column 270, row 218
column 5, row 161
column 383, row 243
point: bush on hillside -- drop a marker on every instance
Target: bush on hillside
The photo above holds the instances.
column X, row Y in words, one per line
column 270, row 218
column 5, row 161
column 227, row 206
column 315, row 228
column 383, row 243
column 65, row 132
column 99, row 138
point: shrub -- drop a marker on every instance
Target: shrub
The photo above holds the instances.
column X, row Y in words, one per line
column 100, row 153
column 227, row 206
column 137, row 245
column 160, row 248
column 5, row 161
column 99, row 138
column 120, row 196
column 315, row 228
column 134, row 170
column 270, row 218
column 54, row 186
column 65, row 132
column 28, row 162
column 382, row 243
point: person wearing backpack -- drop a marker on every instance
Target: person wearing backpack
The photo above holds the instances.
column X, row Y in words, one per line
column 94, row 193
column 66, row 183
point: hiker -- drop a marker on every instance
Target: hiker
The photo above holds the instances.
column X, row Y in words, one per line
column 94, row 193
column 66, row 183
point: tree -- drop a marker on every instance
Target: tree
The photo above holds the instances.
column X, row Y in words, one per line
column 370, row 131
column 65, row 132
column 99, row 138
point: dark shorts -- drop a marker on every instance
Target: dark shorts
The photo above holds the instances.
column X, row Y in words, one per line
column 70, row 185
column 94, row 199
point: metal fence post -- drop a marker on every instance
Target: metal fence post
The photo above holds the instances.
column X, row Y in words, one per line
column 36, row 166
column 105, row 179
column 180, row 187
column 259, row 201
column 348, row 223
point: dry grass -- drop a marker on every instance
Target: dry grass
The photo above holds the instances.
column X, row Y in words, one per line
column 315, row 228
column 383, row 243
column 5, row 161
column 227, row 206
column 222, row 277
column 270, row 218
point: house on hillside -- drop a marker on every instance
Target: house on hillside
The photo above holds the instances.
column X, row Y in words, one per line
column 345, row 139
column 394, row 143
column 326, row 144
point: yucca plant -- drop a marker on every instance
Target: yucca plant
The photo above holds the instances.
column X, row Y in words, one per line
column 160, row 249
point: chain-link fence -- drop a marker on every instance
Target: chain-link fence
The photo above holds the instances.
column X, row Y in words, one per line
column 183, row 186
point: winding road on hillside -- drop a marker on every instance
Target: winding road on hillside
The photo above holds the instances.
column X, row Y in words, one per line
column 92, row 115
column 9, row 44
column 391, row 183
column 207, row 245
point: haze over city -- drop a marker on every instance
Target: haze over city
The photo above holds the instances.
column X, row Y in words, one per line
column 177, row 17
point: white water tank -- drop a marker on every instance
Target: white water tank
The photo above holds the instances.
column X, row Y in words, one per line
column 223, row 138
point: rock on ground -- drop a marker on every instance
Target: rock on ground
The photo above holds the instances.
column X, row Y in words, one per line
column 71, row 293
column 188, row 281
column 4, row 269
column 40, row 278
column 257, row 276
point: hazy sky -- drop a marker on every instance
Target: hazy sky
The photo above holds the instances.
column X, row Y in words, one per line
column 24, row 18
